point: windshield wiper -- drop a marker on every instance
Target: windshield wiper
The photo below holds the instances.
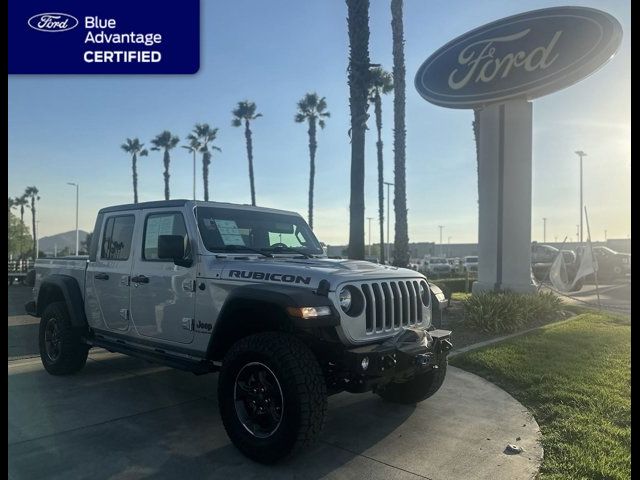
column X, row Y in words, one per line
column 286, row 250
column 242, row 248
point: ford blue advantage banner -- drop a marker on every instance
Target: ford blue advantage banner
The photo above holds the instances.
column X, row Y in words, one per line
column 103, row 37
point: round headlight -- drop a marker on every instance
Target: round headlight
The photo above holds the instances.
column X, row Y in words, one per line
column 345, row 299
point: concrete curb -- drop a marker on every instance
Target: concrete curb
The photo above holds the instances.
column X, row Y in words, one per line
column 491, row 341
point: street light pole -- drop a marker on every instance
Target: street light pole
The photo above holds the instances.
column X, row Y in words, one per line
column 37, row 238
column 581, row 154
column 544, row 229
column 77, row 204
column 440, row 227
column 388, row 184
column 369, row 218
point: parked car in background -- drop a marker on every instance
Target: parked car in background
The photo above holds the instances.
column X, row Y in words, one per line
column 542, row 256
column 435, row 266
column 611, row 264
column 547, row 254
column 455, row 264
column 470, row 264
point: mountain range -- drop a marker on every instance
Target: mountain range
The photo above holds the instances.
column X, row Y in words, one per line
column 60, row 241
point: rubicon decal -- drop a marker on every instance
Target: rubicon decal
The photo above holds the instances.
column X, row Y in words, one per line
column 272, row 277
column 53, row 22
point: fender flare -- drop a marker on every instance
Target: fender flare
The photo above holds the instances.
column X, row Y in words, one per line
column 71, row 293
column 279, row 296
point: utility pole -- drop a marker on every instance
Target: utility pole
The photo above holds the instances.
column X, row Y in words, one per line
column 388, row 259
column 581, row 154
column 544, row 229
column 440, row 227
column 77, row 231
column 369, row 218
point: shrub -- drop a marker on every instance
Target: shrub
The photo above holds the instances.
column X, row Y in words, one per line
column 507, row 312
column 452, row 285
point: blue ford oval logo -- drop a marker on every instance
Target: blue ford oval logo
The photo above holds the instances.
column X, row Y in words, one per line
column 53, row 22
column 526, row 55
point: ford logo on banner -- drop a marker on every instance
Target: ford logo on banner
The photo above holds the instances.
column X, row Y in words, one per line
column 53, row 22
column 524, row 56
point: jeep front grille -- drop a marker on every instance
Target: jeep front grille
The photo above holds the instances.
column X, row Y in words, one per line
column 390, row 305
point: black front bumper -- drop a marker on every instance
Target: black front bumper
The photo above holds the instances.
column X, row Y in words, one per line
column 410, row 352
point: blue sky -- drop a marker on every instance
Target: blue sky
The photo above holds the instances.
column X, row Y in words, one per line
column 69, row 128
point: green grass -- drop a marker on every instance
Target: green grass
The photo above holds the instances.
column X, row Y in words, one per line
column 576, row 380
column 460, row 296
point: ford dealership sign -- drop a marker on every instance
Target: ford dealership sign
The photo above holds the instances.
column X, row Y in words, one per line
column 523, row 56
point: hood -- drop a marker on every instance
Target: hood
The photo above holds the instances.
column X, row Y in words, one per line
column 307, row 272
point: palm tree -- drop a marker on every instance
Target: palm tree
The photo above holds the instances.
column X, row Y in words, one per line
column 381, row 84
column 193, row 147
column 246, row 111
column 12, row 204
column 203, row 135
column 32, row 194
column 21, row 201
column 311, row 109
column 134, row 148
column 358, row 26
column 401, row 243
column 165, row 141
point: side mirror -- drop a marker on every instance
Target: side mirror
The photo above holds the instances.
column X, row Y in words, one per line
column 171, row 247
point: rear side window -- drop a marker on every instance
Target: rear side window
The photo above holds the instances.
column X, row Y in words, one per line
column 167, row 223
column 116, row 238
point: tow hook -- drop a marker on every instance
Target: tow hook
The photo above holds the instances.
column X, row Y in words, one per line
column 424, row 359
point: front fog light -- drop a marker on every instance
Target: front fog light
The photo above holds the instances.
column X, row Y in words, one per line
column 345, row 299
column 364, row 363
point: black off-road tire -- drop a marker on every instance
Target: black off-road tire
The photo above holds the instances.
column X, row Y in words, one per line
column 417, row 389
column 303, row 392
column 71, row 352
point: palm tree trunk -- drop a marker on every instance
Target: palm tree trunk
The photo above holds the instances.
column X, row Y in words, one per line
column 247, row 135
column 378, row 112
column 476, row 136
column 401, row 243
column 206, row 160
column 313, row 145
column 33, row 225
column 134, row 161
column 167, row 160
column 22, row 224
column 358, row 25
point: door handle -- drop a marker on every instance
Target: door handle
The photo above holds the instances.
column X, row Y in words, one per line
column 140, row 279
column 101, row 276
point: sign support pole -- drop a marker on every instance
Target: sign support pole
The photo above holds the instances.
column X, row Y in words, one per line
column 504, row 227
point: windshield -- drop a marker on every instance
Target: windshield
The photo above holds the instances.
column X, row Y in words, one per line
column 223, row 228
column 471, row 259
column 438, row 260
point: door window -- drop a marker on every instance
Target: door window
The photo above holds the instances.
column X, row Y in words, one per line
column 169, row 223
column 116, row 238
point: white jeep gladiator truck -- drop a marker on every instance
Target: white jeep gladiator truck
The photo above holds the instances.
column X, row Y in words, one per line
column 248, row 292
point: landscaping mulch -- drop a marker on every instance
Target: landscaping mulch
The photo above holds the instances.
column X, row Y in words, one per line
column 462, row 335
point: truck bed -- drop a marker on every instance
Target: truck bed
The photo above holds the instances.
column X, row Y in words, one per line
column 72, row 266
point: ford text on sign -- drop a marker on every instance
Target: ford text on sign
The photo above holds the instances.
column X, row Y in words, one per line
column 524, row 56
